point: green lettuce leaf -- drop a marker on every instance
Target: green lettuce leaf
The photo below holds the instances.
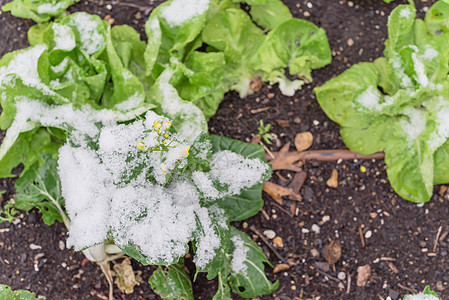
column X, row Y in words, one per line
column 251, row 282
column 270, row 13
column 8, row 294
column 297, row 45
column 37, row 10
column 172, row 283
column 39, row 187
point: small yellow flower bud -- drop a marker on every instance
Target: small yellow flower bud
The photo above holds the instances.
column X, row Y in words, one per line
column 166, row 135
column 141, row 146
column 186, row 152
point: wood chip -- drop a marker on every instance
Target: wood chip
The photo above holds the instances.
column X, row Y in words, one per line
column 333, row 180
column 303, row 141
column 392, row 267
column 363, row 274
column 283, row 123
column 281, row 267
column 442, row 190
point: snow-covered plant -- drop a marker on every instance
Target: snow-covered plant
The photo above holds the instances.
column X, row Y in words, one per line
column 427, row 294
column 112, row 134
column 399, row 104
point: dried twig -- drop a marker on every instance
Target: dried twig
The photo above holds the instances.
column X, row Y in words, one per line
column 282, row 209
column 328, row 275
column 362, row 238
column 348, row 290
column 407, row 288
column 437, row 238
column 268, row 244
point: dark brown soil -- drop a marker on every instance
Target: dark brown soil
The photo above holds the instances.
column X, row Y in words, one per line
column 400, row 237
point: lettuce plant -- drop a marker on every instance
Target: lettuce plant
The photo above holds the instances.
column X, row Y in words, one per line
column 399, row 104
column 111, row 132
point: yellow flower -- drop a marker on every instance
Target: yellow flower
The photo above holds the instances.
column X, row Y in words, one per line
column 141, row 146
column 157, row 125
column 167, row 125
column 186, row 152
column 166, row 135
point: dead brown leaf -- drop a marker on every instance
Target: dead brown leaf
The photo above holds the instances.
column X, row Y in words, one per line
column 255, row 83
column 125, row 277
column 363, row 274
column 332, row 252
column 333, row 180
column 291, row 191
column 281, row 267
column 285, row 161
column 303, row 141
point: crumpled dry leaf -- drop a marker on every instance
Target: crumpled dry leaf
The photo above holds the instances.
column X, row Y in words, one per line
column 125, row 277
column 363, row 274
column 291, row 191
column 333, row 180
column 303, row 141
column 332, row 252
column 285, row 160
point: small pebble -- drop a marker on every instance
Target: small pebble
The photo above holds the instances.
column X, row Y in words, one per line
column 278, row 242
column 64, row 265
column 306, row 14
column 314, row 252
column 269, row 234
column 341, row 285
column 341, row 276
column 245, row 225
column 350, row 42
column 109, row 6
column 305, row 230
column 35, row 247
column 316, row 122
column 61, row 245
column 315, row 228
column 326, row 219
column 368, row 234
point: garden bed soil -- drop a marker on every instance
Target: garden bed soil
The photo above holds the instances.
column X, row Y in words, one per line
column 374, row 226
